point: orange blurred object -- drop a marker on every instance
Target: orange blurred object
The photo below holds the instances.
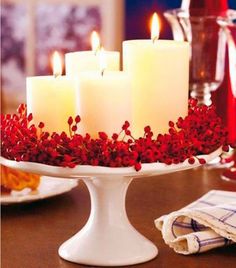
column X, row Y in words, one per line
column 12, row 179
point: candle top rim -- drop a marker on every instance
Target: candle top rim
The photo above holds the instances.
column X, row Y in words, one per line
column 158, row 43
column 48, row 77
column 107, row 73
column 85, row 52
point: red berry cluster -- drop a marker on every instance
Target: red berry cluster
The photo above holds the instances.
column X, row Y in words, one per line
column 201, row 132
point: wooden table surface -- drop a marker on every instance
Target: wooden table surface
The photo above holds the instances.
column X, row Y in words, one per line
column 32, row 233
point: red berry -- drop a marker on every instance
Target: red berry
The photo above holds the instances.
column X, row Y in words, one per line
column 126, row 125
column 127, row 132
column 30, row 117
column 102, row 135
column 202, row 161
column 225, row 148
column 70, row 121
column 137, row 166
column 74, row 128
column 191, row 160
column 147, row 129
column 41, row 125
column 77, row 119
column 115, row 136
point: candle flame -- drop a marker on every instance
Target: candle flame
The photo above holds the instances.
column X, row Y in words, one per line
column 155, row 27
column 103, row 60
column 57, row 64
column 95, row 41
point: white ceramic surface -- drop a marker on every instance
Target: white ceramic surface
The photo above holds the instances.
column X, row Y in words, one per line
column 48, row 187
column 108, row 238
column 93, row 171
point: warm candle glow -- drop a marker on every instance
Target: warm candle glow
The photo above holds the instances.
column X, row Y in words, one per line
column 155, row 27
column 95, row 41
column 103, row 60
column 57, row 64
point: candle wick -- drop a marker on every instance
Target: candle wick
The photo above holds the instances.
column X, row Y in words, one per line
column 56, row 75
column 102, row 72
column 97, row 50
column 154, row 39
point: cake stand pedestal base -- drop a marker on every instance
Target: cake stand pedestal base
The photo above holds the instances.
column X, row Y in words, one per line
column 108, row 238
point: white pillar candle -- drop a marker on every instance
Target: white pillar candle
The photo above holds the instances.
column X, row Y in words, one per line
column 104, row 101
column 77, row 62
column 159, row 72
column 51, row 99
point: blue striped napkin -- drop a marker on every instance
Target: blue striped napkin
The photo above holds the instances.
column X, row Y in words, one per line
column 207, row 223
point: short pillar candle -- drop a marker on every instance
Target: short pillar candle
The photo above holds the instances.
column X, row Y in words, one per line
column 51, row 100
column 103, row 102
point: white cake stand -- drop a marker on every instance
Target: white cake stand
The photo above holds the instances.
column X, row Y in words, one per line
column 108, row 238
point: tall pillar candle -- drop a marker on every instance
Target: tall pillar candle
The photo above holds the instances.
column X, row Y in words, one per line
column 159, row 73
column 77, row 62
column 51, row 100
column 104, row 102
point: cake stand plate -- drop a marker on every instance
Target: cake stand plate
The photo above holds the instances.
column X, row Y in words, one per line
column 108, row 238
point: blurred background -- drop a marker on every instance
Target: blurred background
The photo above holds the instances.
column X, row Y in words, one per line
column 31, row 30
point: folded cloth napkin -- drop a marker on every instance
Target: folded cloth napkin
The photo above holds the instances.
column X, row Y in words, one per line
column 207, row 223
